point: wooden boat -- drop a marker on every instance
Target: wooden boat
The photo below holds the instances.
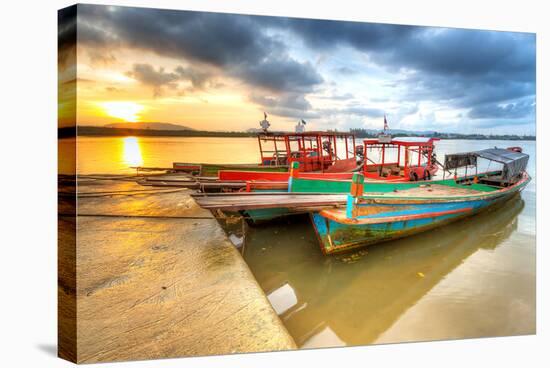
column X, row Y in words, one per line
column 413, row 159
column 265, row 201
column 211, row 170
column 358, row 278
column 232, row 175
column 374, row 217
column 400, row 159
column 315, row 151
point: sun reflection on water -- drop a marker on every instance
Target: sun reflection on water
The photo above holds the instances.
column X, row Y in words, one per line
column 131, row 152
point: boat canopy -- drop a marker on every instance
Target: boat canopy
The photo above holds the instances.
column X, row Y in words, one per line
column 514, row 163
column 420, row 140
column 315, row 150
column 403, row 141
column 456, row 160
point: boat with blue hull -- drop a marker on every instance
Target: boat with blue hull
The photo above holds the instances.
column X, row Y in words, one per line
column 377, row 217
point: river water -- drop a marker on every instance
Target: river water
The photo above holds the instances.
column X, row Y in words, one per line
column 474, row 278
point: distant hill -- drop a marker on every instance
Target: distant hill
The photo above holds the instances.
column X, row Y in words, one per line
column 148, row 126
column 132, row 130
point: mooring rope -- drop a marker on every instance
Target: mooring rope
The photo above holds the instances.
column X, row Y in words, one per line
column 120, row 192
column 137, row 216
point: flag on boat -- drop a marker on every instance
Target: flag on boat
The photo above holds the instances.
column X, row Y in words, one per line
column 303, row 122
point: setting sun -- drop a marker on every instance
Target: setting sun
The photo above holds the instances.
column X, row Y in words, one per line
column 125, row 110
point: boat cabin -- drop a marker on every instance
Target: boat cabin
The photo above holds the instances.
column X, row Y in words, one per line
column 512, row 162
column 400, row 158
column 315, row 151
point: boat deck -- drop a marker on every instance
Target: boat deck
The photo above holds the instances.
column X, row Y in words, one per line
column 319, row 201
column 434, row 190
column 245, row 201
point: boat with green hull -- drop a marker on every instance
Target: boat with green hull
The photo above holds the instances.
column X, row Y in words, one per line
column 211, row 170
column 351, row 214
column 306, row 195
column 370, row 218
column 299, row 185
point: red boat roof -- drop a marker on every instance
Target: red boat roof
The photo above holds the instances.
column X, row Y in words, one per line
column 405, row 141
column 308, row 134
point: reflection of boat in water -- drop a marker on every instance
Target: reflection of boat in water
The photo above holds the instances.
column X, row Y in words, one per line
column 356, row 297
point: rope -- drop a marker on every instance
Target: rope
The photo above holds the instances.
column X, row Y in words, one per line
column 122, row 192
column 138, row 216
column 118, row 178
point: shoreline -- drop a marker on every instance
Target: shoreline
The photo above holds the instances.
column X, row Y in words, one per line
column 115, row 133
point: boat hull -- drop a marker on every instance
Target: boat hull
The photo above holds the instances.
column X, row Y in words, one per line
column 310, row 185
column 335, row 237
column 234, row 175
column 211, row 170
column 339, row 231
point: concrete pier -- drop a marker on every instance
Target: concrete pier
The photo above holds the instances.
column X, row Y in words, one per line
column 157, row 278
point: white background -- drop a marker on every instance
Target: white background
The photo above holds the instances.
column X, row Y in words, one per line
column 28, row 159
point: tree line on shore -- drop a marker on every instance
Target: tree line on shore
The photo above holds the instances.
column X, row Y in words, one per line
column 363, row 133
column 67, row 132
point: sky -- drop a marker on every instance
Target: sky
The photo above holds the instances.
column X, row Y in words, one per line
column 213, row 71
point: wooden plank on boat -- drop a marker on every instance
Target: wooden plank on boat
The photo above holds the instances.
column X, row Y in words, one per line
column 340, row 216
column 170, row 179
column 246, row 194
column 144, row 168
column 437, row 190
column 237, row 203
column 194, row 184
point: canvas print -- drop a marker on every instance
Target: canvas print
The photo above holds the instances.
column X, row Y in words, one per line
column 234, row 183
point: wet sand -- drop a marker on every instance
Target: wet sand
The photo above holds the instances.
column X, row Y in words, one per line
column 158, row 278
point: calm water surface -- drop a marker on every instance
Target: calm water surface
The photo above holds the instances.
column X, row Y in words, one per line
column 115, row 155
column 474, row 278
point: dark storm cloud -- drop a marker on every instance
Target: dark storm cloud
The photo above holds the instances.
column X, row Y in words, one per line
column 66, row 34
column 146, row 74
column 513, row 110
column 471, row 69
column 464, row 68
column 325, row 34
column 468, row 53
column 198, row 78
column 159, row 78
column 234, row 43
column 66, row 24
column 480, row 71
column 282, row 74
column 293, row 105
column 463, row 92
